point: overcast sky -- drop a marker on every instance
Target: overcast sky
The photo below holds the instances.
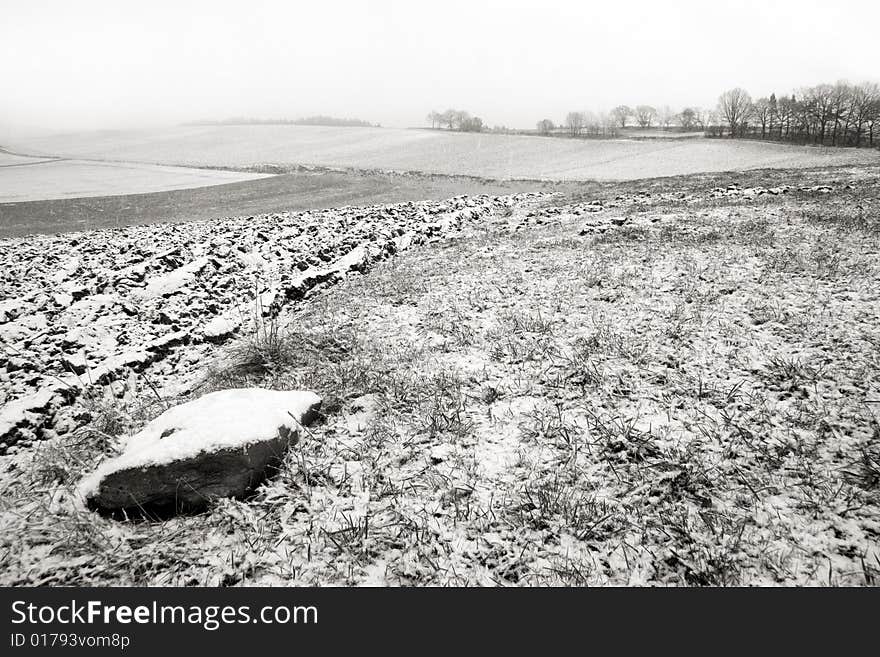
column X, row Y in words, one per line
column 111, row 64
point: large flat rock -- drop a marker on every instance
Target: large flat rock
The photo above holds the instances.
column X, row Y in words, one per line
column 220, row 445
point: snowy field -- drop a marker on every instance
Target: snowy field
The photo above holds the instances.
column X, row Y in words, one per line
column 665, row 382
column 34, row 179
column 13, row 160
column 484, row 155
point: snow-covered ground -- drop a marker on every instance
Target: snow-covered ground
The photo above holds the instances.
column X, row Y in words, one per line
column 34, row 179
column 670, row 383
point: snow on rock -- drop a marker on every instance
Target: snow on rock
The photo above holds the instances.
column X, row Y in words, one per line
column 219, row 445
column 9, row 309
column 18, row 414
column 221, row 326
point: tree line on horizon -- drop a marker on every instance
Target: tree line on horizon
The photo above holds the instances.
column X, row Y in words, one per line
column 840, row 114
column 459, row 120
column 609, row 124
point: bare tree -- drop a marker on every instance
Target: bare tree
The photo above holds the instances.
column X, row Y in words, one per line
column 621, row 113
column 665, row 116
column 701, row 118
column 545, row 126
column 774, row 113
column 785, row 113
column 804, row 114
column 841, row 110
column 688, row 118
column 448, row 118
column 592, row 125
column 435, row 118
column 819, row 107
column 468, row 123
column 644, row 115
column 574, row 121
column 710, row 122
column 873, row 119
column 596, row 124
column 763, row 114
column 735, row 107
column 458, row 120
column 607, row 124
column 865, row 97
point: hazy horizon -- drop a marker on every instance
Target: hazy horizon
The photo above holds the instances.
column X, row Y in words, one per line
column 103, row 65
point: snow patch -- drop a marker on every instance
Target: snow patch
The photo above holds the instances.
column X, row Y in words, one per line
column 174, row 280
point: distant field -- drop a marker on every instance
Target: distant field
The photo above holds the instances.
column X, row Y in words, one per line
column 492, row 156
column 36, row 180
